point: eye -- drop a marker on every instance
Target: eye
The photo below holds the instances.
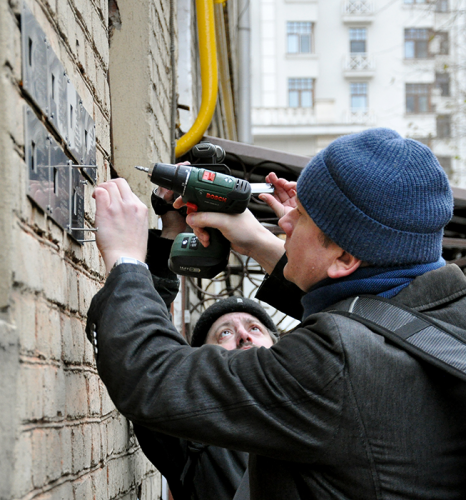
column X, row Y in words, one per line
column 255, row 329
column 224, row 334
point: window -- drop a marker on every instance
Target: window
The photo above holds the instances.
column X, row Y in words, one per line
column 358, row 93
column 418, row 98
column 443, row 126
column 357, row 40
column 445, row 163
column 301, row 92
column 417, row 43
column 442, row 82
column 441, row 43
column 441, row 6
column 299, row 36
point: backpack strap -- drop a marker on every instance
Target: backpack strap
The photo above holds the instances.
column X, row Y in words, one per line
column 414, row 332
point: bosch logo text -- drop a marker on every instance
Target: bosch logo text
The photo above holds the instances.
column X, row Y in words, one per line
column 215, row 197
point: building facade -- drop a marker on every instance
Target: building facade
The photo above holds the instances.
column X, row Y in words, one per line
column 88, row 90
column 324, row 68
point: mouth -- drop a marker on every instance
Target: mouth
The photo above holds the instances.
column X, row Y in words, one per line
column 247, row 346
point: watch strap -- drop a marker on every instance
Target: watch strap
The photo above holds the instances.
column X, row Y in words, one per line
column 129, row 260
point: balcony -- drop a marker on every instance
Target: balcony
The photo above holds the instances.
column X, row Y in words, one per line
column 360, row 117
column 358, row 65
column 322, row 112
column 358, row 11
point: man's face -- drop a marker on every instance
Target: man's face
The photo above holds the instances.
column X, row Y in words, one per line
column 308, row 259
column 238, row 330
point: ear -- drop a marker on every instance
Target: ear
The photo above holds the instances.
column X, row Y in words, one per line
column 343, row 265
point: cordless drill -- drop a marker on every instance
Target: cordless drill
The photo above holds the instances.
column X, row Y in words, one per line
column 205, row 191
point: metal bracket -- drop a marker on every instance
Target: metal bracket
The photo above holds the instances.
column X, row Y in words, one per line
column 55, row 182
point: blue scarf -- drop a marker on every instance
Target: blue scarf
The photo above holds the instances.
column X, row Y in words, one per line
column 383, row 281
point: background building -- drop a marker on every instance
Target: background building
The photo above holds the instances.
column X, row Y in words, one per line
column 323, row 68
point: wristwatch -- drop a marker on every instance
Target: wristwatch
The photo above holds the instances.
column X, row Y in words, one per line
column 129, row 260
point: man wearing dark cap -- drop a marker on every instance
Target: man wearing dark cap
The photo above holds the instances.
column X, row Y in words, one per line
column 196, row 471
column 334, row 410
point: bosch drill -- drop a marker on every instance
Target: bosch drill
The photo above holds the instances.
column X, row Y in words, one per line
column 205, row 191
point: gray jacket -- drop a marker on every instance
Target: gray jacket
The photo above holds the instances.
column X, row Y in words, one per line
column 331, row 411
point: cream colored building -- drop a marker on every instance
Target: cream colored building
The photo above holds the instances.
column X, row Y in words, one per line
column 323, row 68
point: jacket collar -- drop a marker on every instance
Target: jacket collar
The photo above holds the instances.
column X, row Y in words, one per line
column 434, row 289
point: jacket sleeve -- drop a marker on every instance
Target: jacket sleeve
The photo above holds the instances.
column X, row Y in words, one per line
column 165, row 281
column 168, row 454
column 281, row 293
column 284, row 402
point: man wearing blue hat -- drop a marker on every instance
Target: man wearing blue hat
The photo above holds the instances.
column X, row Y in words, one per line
column 335, row 409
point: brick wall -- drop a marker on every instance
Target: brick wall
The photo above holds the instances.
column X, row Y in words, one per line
column 60, row 435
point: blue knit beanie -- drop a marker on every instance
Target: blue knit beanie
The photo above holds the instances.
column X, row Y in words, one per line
column 382, row 198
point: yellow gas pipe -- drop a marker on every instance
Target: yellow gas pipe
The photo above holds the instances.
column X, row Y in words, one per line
column 209, row 76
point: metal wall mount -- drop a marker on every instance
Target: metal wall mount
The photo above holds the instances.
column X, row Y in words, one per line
column 45, row 81
column 55, row 183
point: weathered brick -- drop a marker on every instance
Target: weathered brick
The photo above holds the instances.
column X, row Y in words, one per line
column 53, row 392
column 76, row 396
column 66, row 450
column 72, row 288
column 102, row 124
column 99, row 481
column 107, row 403
column 78, row 453
column 118, row 480
column 30, row 405
column 83, row 12
column 90, row 65
column 48, row 334
column 87, row 290
column 52, row 458
column 120, row 434
column 89, row 358
column 96, row 443
column 109, row 429
column 39, row 452
column 67, row 24
column 24, row 317
column 82, row 488
column 62, row 491
column 80, row 44
column 87, row 449
column 22, row 479
column 73, row 339
column 93, row 391
column 55, row 279
column 28, row 271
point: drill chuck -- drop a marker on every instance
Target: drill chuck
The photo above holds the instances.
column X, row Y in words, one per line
column 172, row 177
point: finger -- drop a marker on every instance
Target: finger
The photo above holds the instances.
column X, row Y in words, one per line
column 178, row 203
column 273, row 203
column 101, row 197
column 123, row 187
column 271, row 178
column 202, row 236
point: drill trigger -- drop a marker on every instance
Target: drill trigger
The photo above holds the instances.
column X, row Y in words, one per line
column 191, row 207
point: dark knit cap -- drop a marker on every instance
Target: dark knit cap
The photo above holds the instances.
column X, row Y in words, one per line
column 382, row 198
column 227, row 306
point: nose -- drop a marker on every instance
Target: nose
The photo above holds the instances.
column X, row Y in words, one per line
column 242, row 336
column 286, row 222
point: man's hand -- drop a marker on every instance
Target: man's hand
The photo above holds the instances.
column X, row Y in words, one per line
column 173, row 223
column 244, row 231
column 122, row 220
column 283, row 199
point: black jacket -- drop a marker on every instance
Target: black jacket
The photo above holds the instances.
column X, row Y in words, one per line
column 194, row 471
column 331, row 411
